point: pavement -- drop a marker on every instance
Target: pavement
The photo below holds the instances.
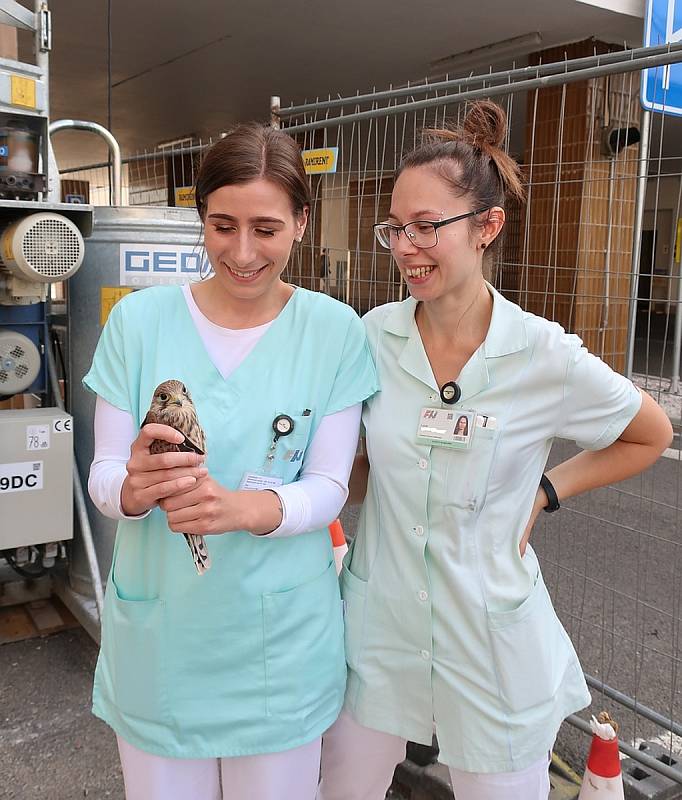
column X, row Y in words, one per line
column 52, row 748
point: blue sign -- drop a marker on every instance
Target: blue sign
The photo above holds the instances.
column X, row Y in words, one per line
column 662, row 86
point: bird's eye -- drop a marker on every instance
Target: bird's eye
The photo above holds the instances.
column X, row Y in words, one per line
column 184, row 389
column 163, row 397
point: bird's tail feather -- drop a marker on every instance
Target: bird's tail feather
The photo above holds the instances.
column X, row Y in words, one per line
column 200, row 556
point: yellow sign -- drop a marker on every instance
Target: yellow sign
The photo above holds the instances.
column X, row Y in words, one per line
column 321, row 160
column 184, row 196
column 23, row 91
column 109, row 296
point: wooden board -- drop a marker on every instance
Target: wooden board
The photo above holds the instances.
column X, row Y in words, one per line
column 34, row 619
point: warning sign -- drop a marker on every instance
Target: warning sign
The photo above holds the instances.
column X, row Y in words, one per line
column 109, row 296
column 184, row 196
column 321, row 160
column 22, row 91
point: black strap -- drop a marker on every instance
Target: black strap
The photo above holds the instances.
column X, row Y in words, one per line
column 550, row 491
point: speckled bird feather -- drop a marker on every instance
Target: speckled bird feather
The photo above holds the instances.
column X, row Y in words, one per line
column 172, row 405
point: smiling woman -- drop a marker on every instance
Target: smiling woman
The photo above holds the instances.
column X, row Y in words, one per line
column 449, row 626
column 235, row 673
column 253, row 197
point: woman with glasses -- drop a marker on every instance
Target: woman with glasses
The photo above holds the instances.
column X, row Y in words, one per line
column 449, row 626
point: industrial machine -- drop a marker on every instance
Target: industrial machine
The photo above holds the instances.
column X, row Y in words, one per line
column 46, row 520
column 42, row 242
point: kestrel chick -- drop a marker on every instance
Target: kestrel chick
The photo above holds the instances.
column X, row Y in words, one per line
column 172, row 405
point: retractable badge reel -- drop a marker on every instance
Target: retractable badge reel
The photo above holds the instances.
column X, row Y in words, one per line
column 282, row 425
column 450, row 393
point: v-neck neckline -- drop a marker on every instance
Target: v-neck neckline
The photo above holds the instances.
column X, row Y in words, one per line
column 260, row 345
column 472, row 378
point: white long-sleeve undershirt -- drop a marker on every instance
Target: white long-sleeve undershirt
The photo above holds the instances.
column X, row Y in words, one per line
column 309, row 503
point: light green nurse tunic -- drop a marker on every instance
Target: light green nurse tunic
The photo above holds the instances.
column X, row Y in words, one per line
column 248, row 658
column 444, row 619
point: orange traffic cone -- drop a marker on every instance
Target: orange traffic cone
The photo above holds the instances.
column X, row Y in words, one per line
column 603, row 779
column 338, row 543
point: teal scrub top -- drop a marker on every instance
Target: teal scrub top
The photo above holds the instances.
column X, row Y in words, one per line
column 446, row 623
column 249, row 657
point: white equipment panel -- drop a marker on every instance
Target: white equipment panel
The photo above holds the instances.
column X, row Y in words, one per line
column 36, row 474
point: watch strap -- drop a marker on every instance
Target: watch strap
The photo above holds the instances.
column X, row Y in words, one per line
column 550, row 491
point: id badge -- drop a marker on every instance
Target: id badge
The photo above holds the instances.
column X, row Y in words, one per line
column 451, row 427
column 446, row 427
column 255, row 481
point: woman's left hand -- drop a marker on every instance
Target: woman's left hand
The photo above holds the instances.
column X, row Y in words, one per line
column 210, row 508
column 206, row 509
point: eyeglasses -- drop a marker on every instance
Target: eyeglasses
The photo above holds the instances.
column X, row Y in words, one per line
column 422, row 233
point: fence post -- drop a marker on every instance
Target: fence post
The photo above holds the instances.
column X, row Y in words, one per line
column 275, row 121
column 677, row 348
column 642, row 176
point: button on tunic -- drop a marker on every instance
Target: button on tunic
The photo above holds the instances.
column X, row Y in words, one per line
column 445, row 621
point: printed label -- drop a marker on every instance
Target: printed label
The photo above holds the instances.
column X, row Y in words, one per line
column 23, row 91
column 322, row 159
column 64, row 425
column 161, row 264
column 184, row 197
column 37, row 437
column 24, row 476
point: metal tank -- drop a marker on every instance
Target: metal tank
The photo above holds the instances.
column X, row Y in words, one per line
column 130, row 248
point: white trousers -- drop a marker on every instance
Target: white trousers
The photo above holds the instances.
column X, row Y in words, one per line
column 270, row 776
column 358, row 764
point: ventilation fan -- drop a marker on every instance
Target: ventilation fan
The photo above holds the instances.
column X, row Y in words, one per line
column 19, row 362
column 42, row 247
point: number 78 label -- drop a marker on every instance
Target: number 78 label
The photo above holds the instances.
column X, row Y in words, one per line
column 37, row 437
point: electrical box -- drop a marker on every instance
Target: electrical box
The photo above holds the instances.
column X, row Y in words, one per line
column 36, row 469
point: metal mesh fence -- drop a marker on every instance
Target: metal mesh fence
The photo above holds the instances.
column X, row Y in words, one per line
column 596, row 247
column 612, row 559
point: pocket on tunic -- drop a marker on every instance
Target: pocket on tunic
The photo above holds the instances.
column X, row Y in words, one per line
column 468, row 471
column 354, row 593
column 305, row 670
column 531, row 650
column 134, row 650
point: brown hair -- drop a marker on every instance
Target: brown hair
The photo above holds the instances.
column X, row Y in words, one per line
column 248, row 152
column 469, row 157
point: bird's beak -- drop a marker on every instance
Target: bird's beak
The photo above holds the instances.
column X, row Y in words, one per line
column 175, row 400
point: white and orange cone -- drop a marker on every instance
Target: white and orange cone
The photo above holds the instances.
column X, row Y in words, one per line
column 338, row 543
column 603, row 778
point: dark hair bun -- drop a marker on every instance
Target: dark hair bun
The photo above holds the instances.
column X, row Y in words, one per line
column 484, row 124
column 484, row 169
column 484, row 127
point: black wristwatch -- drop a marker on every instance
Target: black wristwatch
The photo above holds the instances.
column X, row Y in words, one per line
column 550, row 491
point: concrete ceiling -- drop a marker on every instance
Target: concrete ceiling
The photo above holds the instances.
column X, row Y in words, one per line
column 194, row 67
